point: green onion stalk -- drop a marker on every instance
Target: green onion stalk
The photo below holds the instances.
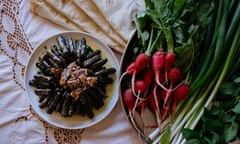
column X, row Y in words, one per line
column 193, row 121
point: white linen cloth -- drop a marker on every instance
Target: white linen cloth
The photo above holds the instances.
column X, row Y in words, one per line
column 20, row 32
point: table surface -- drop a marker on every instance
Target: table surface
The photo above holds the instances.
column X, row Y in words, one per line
column 20, row 32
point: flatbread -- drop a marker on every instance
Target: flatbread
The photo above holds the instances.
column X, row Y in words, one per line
column 119, row 13
column 42, row 9
column 67, row 14
column 97, row 16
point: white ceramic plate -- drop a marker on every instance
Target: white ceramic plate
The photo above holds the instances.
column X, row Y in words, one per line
column 75, row 121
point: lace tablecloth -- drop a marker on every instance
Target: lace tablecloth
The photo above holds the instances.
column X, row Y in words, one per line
column 20, row 32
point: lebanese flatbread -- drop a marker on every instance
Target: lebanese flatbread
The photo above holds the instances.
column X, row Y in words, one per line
column 69, row 15
column 96, row 15
column 41, row 9
column 119, row 13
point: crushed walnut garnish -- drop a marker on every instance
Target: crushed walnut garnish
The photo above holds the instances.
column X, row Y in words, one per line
column 77, row 79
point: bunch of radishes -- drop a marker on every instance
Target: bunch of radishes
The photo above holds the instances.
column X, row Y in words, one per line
column 155, row 83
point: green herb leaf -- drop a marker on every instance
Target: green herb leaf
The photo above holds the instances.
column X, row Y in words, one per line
column 215, row 138
column 213, row 124
column 228, row 88
column 215, row 110
column 223, row 116
column 190, row 134
column 230, row 131
column 145, row 35
column 178, row 6
column 236, row 109
column 193, row 141
column 237, row 80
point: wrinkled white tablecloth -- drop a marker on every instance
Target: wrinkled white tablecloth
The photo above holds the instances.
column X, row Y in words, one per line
column 20, row 32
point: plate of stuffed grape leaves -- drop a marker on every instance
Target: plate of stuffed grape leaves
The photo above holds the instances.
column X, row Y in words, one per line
column 72, row 80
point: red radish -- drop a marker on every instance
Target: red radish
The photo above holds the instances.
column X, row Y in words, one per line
column 154, row 99
column 161, row 79
column 163, row 94
column 148, row 79
column 181, row 92
column 141, row 106
column 158, row 60
column 129, row 101
column 169, row 60
column 165, row 110
column 130, row 68
column 154, row 102
column 148, row 76
column 140, row 88
column 166, row 107
column 141, row 62
column 173, row 77
column 135, row 67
